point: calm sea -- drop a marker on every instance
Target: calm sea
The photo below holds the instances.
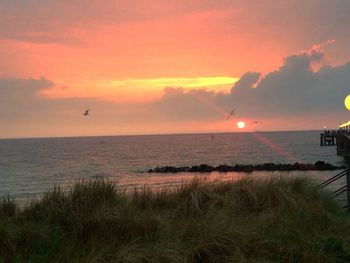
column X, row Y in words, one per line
column 30, row 166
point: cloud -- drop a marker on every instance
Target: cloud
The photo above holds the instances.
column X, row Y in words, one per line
column 179, row 104
column 30, row 85
column 21, row 100
column 296, row 88
column 294, row 94
column 23, row 20
column 293, row 90
column 305, row 21
column 248, row 80
column 15, row 92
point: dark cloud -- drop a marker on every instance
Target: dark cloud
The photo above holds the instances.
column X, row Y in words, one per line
column 178, row 103
column 296, row 88
column 305, row 21
column 23, row 86
column 15, row 92
column 293, row 90
column 249, row 79
column 21, row 101
column 53, row 21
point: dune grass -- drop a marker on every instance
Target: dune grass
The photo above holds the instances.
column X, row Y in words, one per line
column 251, row 220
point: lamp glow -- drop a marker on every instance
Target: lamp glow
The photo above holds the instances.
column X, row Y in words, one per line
column 347, row 102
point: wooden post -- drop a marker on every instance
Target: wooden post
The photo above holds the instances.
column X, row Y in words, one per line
column 348, row 189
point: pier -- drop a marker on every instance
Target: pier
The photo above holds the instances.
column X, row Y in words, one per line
column 339, row 138
column 343, row 140
column 328, row 138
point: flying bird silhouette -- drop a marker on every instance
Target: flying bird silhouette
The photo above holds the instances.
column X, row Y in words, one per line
column 86, row 113
column 230, row 114
column 257, row 122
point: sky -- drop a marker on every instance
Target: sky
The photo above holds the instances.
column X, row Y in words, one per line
column 152, row 67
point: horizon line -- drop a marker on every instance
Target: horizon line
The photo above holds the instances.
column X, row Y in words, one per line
column 151, row 134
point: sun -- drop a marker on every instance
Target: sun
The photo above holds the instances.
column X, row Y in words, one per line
column 241, row 124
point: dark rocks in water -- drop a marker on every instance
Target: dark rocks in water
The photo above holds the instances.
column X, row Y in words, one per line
column 205, row 168
column 169, row 169
column 183, row 169
column 319, row 163
column 166, row 169
column 223, row 168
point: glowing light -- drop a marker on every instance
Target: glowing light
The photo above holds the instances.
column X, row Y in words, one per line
column 347, row 102
column 143, row 89
column 241, row 124
column 345, row 124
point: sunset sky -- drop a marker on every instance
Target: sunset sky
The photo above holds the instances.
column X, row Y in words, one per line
column 149, row 67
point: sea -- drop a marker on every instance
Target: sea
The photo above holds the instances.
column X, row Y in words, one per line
column 28, row 167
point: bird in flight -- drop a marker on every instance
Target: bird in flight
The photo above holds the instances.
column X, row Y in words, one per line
column 257, row 122
column 86, row 113
column 230, row 114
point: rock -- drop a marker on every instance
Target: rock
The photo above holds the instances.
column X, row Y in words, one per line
column 183, row 169
column 248, row 168
column 268, row 167
column 319, row 163
column 224, row 168
column 205, row 168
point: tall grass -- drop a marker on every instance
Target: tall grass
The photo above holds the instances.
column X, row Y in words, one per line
column 251, row 220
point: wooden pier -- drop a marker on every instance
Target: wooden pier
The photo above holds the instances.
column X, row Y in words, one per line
column 339, row 138
column 343, row 140
column 343, row 145
column 328, row 138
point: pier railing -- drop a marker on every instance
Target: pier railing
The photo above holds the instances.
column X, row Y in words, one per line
column 344, row 188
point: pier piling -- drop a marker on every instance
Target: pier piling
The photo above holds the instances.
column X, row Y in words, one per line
column 328, row 138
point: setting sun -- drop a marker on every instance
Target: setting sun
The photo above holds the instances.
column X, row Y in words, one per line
column 241, row 124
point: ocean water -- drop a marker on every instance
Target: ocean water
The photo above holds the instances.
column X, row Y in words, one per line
column 30, row 166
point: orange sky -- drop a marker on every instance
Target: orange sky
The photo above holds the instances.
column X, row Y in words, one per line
column 124, row 53
column 193, row 46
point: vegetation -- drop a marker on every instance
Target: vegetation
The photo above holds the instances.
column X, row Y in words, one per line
column 251, row 220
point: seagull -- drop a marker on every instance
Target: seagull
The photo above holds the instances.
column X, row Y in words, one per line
column 231, row 114
column 257, row 122
column 86, row 113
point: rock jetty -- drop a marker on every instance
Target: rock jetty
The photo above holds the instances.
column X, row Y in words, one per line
column 248, row 168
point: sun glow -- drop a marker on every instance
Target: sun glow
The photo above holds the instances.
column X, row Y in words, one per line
column 241, row 124
column 143, row 89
